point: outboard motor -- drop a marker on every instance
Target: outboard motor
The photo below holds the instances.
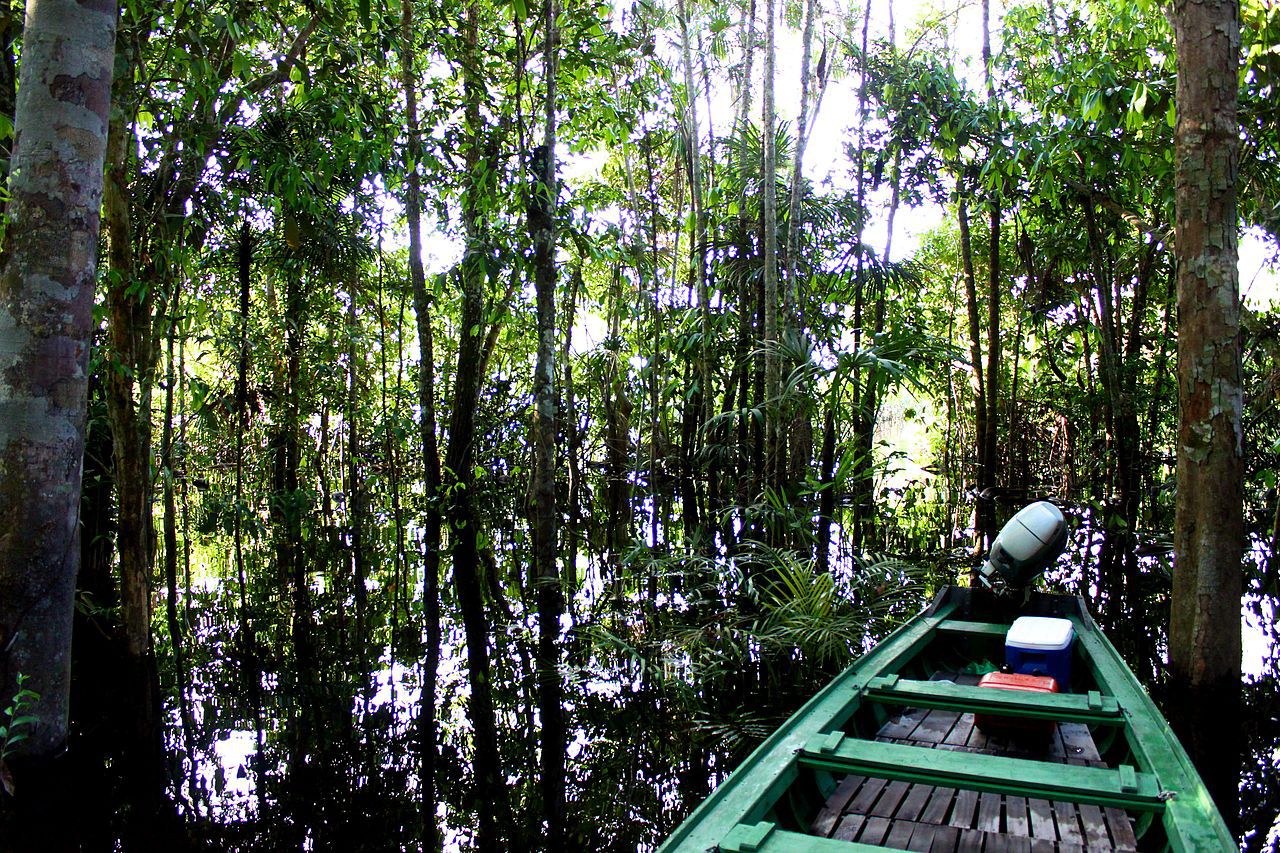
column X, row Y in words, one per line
column 1026, row 546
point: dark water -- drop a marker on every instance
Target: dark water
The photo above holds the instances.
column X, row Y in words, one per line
column 663, row 700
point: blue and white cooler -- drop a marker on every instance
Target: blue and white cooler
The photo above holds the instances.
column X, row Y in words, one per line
column 1041, row 645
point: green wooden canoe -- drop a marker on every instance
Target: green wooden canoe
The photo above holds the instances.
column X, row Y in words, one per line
column 887, row 756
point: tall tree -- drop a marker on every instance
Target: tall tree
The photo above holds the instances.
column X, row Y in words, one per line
column 490, row 797
column 46, row 327
column 550, row 594
column 1204, row 631
column 769, row 241
column 433, row 526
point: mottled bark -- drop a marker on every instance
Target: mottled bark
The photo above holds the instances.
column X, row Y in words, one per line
column 46, row 316
column 1204, row 633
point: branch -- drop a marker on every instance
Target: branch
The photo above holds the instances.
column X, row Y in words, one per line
column 272, row 78
column 1164, row 235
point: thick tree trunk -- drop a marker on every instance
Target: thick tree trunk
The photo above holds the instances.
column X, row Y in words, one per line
column 1204, row 633
column 46, row 307
column 46, row 328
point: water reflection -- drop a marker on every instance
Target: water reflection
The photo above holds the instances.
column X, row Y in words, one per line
column 320, row 751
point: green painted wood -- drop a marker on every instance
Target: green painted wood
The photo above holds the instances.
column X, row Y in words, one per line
column 983, row 629
column 1064, row 707
column 740, row 814
column 1191, row 821
column 1016, row 776
column 751, row 790
column 765, row 837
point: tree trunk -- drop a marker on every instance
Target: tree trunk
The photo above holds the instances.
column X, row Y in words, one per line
column 46, row 307
column 432, row 525
column 489, row 798
column 46, row 328
column 550, row 595
column 1204, row 632
column 984, row 510
column 769, row 225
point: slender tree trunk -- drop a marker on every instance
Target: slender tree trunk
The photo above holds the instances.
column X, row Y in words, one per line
column 432, row 523
column 990, row 434
column 863, row 482
column 357, row 497
column 769, row 224
column 748, row 57
column 984, row 510
column 797, row 163
column 550, row 594
column 489, row 798
column 171, row 559
column 1204, row 633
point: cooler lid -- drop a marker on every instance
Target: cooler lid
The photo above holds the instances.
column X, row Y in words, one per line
column 1040, row 632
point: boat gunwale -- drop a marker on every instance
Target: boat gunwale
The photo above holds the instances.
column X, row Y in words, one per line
column 1190, row 820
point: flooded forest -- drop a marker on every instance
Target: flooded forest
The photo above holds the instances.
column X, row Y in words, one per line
column 496, row 417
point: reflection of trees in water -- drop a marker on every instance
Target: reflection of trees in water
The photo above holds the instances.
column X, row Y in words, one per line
column 1127, row 587
column 663, row 700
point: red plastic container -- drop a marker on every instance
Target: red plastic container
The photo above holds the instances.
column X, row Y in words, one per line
column 1017, row 727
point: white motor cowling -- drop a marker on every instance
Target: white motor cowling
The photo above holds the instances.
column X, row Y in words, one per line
column 1026, row 546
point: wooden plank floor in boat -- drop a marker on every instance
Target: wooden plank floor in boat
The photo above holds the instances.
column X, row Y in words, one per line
column 906, row 816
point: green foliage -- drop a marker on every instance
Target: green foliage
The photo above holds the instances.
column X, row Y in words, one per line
column 16, row 727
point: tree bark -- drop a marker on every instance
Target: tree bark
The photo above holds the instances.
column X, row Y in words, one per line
column 769, row 224
column 46, row 326
column 489, row 798
column 1204, row 632
column 550, row 594
column 432, row 523
column 46, row 329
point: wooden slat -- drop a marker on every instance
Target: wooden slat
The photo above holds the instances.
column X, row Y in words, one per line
column 849, row 827
column 889, row 800
column 914, row 803
column 962, row 812
column 866, row 796
column 834, row 808
column 1042, row 845
column 1066, row 818
column 1042, row 819
column 922, row 837
column 959, row 734
column 1122, row 837
column 1015, row 814
column 995, row 843
column 899, row 835
column 989, row 812
column 1078, row 742
column 939, row 805
column 874, row 831
column 1094, row 825
column 903, row 724
column 970, row 841
column 945, row 839
column 935, row 727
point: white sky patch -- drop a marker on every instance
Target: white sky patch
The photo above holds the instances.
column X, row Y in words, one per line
column 1259, row 277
